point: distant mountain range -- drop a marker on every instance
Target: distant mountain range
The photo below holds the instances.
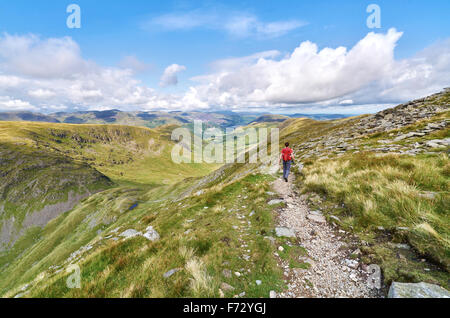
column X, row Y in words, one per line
column 320, row 116
column 158, row 118
column 136, row 118
column 270, row 119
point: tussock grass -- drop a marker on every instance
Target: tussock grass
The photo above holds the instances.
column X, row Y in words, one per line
column 201, row 283
column 389, row 192
column 187, row 253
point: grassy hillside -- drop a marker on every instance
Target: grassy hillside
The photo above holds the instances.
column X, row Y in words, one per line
column 123, row 153
column 383, row 177
column 37, row 186
column 320, row 116
column 270, row 118
column 200, row 219
column 222, row 227
column 47, row 169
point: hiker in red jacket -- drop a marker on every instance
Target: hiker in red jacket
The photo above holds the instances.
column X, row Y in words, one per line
column 287, row 155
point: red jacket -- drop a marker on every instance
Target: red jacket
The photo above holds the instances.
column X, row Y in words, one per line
column 287, row 154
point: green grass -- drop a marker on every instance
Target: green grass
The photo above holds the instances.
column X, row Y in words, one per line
column 123, row 153
column 138, row 161
column 293, row 253
column 135, row 267
column 42, row 163
column 35, row 179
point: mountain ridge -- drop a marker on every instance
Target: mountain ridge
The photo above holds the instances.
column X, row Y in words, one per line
column 153, row 119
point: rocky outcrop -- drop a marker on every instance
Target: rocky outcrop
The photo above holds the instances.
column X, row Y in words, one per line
column 38, row 186
column 9, row 233
column 349, row 135
column 150, row 234
column 418, row 290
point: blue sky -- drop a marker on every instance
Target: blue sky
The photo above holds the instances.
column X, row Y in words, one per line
column 195, row 35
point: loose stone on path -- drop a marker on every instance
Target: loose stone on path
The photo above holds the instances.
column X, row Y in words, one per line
column 284, row 232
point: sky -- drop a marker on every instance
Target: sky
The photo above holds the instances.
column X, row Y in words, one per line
column 348, row 56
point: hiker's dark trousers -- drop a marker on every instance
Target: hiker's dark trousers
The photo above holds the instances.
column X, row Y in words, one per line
column 286, row 168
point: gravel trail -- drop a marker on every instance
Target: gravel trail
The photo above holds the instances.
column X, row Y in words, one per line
column 332, row 274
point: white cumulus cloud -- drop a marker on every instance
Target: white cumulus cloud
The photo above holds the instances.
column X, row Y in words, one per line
column 133, row 63
column 49, row 58
column 41, row 93
column 307, row 74
column 10, row 104
column 51, row 75
column 367, row 73
column 346, row 102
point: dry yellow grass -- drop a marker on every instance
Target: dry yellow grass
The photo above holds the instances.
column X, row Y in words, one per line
column 387, row 192
column 200, row 282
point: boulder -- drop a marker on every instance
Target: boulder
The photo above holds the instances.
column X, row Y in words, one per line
column 438, row 143
column 226, row 287
column 273, row 202
column 433, row 126
column 428, row 195
column 130, row 233
column 150, row 234
column 284, row 232
column 409, row 135
column 417, row 290
column 351, row 263
column 171, row 272
column 316, row 218
column 226, row 273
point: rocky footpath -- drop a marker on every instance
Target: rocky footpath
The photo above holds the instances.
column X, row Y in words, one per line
column 334, row 269
column 331, row 271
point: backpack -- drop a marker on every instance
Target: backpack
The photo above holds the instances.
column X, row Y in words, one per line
column 287, row 152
